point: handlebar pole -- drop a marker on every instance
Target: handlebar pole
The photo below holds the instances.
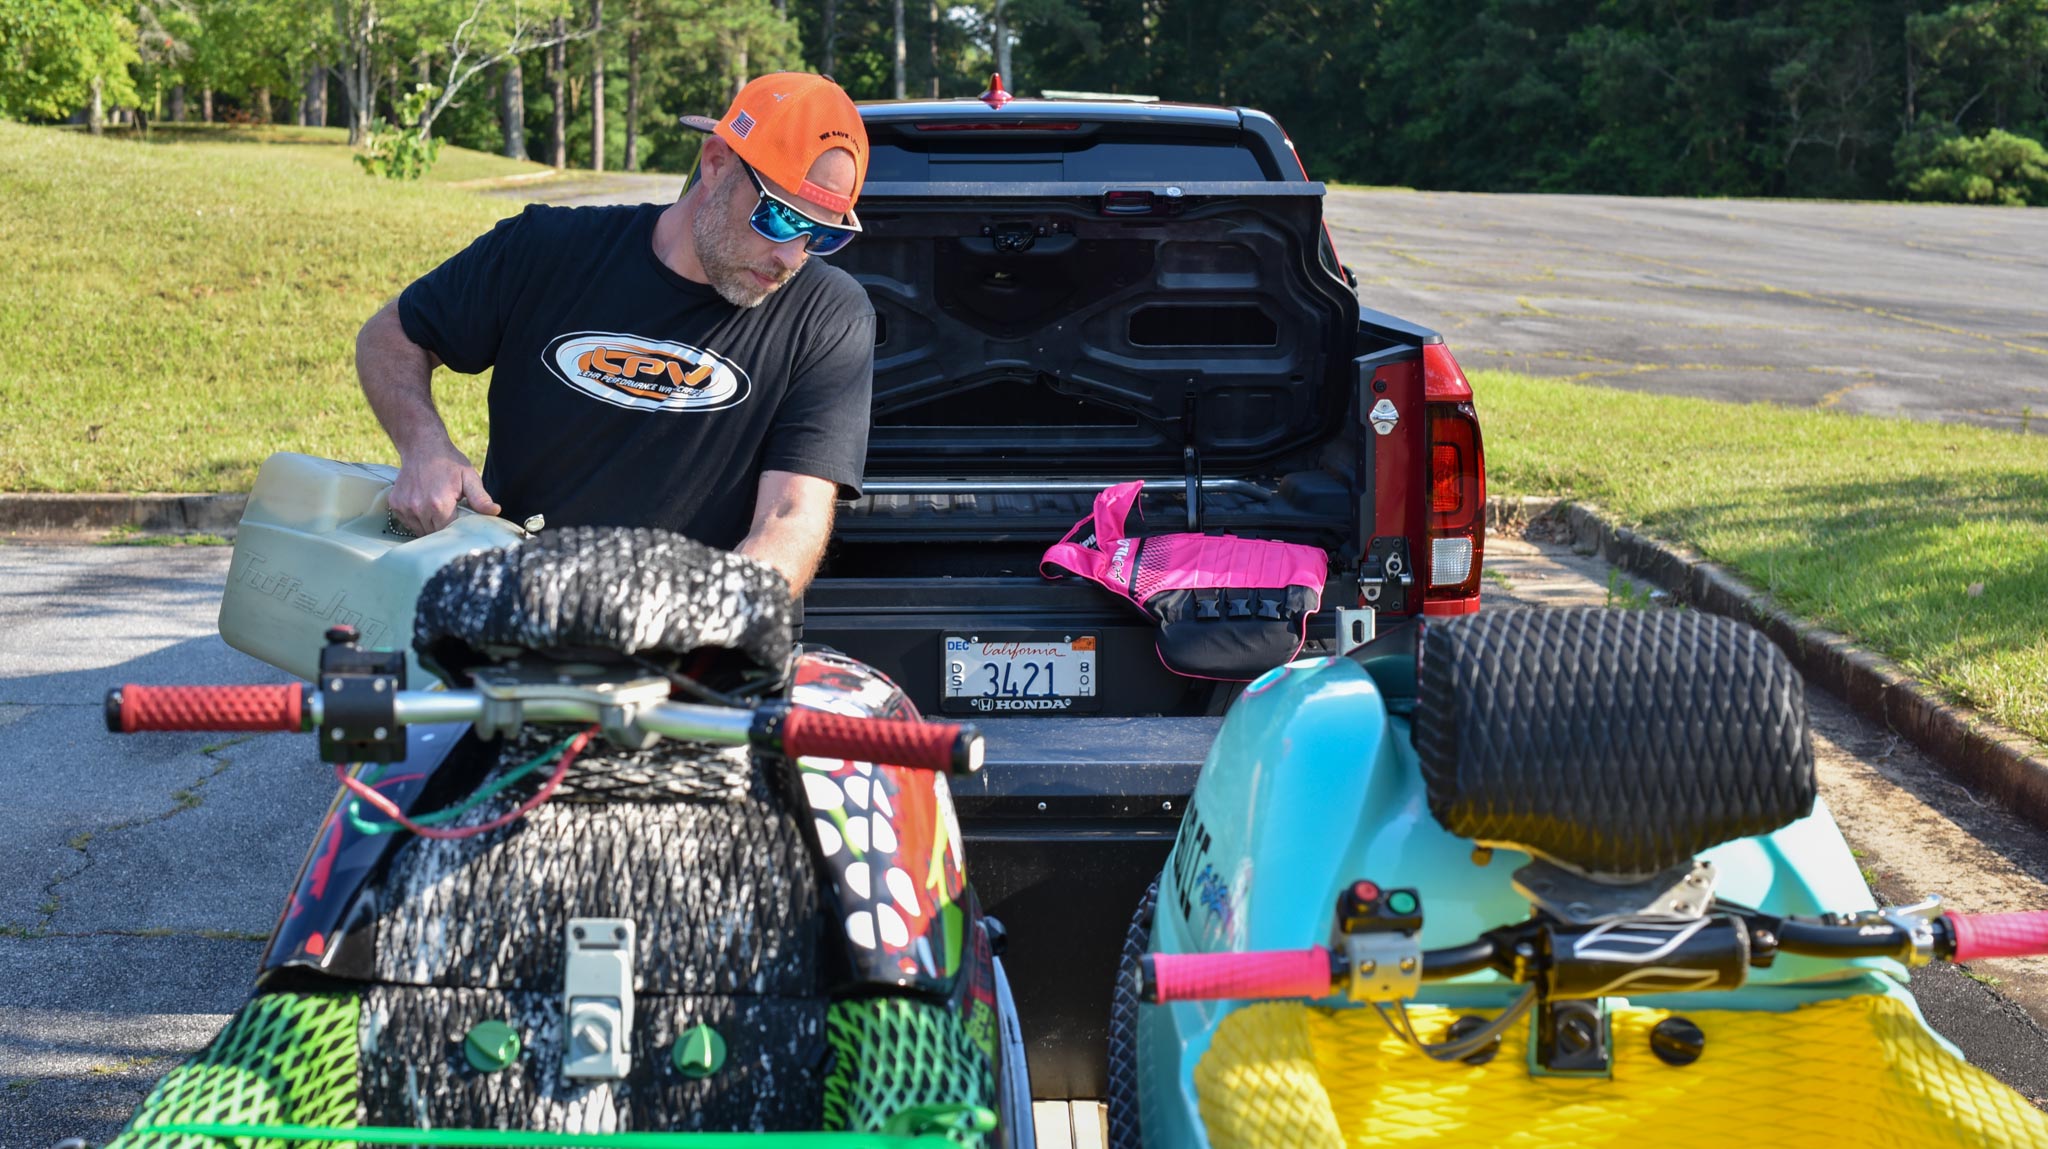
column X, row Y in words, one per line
column 797, row 731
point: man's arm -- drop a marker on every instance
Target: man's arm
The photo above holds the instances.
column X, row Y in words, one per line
column 792, row 520
column 397, row 378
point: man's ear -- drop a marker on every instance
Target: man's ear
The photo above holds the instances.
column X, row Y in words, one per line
column 715, row 156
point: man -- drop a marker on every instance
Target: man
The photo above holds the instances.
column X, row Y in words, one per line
column 683, row 366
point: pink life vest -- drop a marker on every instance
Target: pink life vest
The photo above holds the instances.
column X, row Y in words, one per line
column 1228, row 608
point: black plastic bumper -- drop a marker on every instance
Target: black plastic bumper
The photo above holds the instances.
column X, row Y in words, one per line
column 1067, row 825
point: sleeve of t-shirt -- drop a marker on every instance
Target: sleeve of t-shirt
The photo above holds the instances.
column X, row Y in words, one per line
column 457, row 311
column 821, row 429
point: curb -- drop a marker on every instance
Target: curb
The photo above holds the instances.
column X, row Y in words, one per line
column 2002, row 762
column 53, row 513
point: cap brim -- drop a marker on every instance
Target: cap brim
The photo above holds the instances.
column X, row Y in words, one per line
column 701, row 123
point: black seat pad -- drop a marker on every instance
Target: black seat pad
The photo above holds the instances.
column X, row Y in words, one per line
column 632, row 591
column 1615, row 741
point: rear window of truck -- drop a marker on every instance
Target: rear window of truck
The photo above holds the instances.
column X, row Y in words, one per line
column 965, row 157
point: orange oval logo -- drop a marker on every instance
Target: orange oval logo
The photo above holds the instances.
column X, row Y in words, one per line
column 646, row 374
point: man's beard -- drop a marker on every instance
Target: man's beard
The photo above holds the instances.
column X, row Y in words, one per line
column 720, row 251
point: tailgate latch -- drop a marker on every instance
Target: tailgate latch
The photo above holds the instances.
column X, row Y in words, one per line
column 1385, row 575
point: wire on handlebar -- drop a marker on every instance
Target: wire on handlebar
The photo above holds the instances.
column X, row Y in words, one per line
column 1397, row 1020
column 390, row 809
column 442, row 817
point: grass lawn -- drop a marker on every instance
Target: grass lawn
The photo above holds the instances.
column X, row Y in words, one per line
column 1878, row 528
column 176, row 312
column 456, row 165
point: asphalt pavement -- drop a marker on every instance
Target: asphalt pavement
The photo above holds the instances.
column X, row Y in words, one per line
column 140, row 874
column 1927, row 310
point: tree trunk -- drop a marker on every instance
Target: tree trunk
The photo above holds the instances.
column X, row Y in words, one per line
column 1003, row 47
column 558, row 68
column 596, row 86
column 355, row 27
column 739, row 69
column 96, row 115
column 177, row 103
column 932, row 53
column 512, row 109
column 299, row 105
column 206, row 105
column 316, row 97
column 831, row 34
column 263, row 108
column 896, row 8
column 633, row 99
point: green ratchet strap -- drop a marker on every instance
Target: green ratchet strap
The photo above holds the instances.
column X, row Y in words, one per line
column 531, row 1139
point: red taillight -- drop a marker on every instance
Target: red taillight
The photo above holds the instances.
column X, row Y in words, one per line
column 1457, row 487
column 1446, row 490
column 1443, row 381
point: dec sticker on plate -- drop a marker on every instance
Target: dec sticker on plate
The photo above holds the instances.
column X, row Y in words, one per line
column 1020, row 674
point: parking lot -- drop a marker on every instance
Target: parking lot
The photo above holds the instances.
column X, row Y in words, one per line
column 140, row 875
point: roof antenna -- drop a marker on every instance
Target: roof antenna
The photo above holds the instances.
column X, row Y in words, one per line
column 995, row 97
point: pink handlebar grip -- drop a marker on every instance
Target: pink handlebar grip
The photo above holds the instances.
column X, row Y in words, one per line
column 133, row 708
column 955, row 748
column 1210, row 977
column 2000, row 935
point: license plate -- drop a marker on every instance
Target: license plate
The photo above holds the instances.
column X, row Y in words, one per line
column 1037, row 673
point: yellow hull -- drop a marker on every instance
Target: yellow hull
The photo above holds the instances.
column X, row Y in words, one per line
column 1857, row 1072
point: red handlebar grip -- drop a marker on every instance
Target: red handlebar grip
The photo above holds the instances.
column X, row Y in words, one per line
column 133, row 708
column 1210, row 977
column 2000, row 935
column 924, row 745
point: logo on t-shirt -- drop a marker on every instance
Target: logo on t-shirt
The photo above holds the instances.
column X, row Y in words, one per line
column 646, row 374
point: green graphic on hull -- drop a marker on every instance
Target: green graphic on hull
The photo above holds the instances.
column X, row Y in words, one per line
column 891, row 1054
column 284, row 1059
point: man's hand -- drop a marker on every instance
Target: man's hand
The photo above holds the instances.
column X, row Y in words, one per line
column 424, row 498
column 792, row 520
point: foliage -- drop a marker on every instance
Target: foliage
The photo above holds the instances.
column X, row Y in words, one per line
column 401, row 151
column 1996, row 167
column 1843, row 98
column 52, row 51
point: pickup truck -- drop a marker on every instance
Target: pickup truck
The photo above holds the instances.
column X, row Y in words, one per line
column 1072, row 294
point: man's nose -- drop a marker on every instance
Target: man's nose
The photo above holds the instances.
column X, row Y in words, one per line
column 790, row 256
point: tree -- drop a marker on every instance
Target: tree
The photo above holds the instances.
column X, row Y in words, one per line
column 356, row 24
column 596, row 85
column 896, row 7
column 485, row 33
column 59, row 55
column 558, row 72
column 512, row 109
column 1996, row 167
column 636, row 16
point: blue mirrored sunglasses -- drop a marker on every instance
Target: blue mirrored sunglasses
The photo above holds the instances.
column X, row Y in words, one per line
column 777, row 222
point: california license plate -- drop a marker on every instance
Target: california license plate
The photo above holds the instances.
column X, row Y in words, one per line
column 1033, row 673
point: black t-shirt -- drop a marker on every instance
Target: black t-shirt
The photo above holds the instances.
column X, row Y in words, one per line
column 626, row 395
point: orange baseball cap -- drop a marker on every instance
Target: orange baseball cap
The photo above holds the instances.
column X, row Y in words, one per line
column 781, row 123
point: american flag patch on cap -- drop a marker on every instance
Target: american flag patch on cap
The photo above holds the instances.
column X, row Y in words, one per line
column 742, row 124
